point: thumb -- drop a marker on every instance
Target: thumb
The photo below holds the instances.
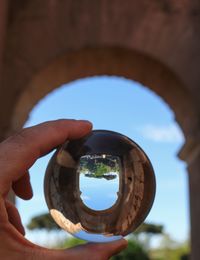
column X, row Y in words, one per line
column 100, row 251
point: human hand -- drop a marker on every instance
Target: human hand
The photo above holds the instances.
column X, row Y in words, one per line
column 17, row 154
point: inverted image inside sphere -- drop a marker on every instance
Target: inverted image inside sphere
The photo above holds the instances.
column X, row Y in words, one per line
column 100, row 187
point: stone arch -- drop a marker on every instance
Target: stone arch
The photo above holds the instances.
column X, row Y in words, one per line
column 109, row 61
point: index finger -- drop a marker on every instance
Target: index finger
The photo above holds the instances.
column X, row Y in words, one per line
column 19, row 152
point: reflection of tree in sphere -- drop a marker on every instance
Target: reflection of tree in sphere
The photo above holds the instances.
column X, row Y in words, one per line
column 100, row 187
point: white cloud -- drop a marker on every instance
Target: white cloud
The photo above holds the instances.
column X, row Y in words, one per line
column 85, row 197
column 167, row 134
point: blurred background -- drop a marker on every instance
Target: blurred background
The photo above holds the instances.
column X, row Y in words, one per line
column 131, row 67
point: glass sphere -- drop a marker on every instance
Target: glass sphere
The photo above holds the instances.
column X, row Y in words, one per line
column 101, row 187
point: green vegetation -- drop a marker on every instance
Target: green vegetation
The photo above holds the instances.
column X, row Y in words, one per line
column 145, row 232
column 43, row 221
column 138, row 242
column 149, row 228
column 170, row 249
column 99, row 166
column 134, row 251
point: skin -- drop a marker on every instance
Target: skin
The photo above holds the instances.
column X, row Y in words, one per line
column 17, row 154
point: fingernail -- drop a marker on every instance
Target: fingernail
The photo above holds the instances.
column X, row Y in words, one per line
column 85, row 121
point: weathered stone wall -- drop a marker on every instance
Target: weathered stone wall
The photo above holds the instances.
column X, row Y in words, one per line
column 39, row 32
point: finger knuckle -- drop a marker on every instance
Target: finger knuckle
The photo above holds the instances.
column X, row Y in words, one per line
column 18, row 136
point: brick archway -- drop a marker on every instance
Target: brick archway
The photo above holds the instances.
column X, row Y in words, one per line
column 108, row 61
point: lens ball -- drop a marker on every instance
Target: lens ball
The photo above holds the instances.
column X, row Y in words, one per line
column 101, row 187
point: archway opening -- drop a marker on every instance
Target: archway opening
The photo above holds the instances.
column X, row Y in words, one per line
column 125, row 106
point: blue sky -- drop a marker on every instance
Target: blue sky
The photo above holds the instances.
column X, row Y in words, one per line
column 121, row 105
column 92, row 195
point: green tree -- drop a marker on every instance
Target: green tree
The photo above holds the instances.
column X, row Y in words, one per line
column 134, row 251
column 145, row 232
column 98, row 166
column 43, row 221
column 149, row 228
column 170, row 249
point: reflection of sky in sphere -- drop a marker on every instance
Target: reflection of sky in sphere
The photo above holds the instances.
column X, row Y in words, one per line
column 99, row 194
column 95, row 237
